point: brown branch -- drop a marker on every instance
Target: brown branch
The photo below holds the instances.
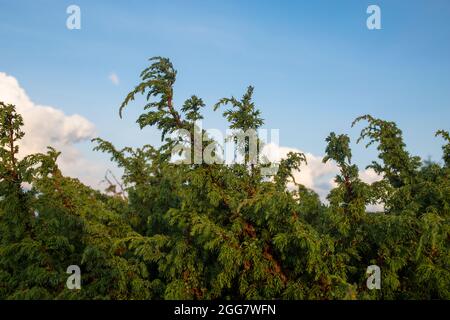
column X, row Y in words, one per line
column 277, row 267
column 113, row 186
column 12, row 148
column 172, row 111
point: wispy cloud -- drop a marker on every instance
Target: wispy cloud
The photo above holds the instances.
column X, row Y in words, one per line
column 114, row 78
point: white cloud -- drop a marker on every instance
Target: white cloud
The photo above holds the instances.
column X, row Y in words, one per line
column 317, row 175
column 369, row 176
column 48, row 126
column 114, row 78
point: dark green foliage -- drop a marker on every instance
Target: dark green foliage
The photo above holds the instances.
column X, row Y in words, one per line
column 244, row 116
column 177, row 230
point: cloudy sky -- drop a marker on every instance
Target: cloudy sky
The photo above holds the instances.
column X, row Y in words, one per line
column 314, row 64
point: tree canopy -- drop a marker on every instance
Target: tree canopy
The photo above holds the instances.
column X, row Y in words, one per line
column 177, row 230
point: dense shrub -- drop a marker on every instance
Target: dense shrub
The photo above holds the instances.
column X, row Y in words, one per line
column 201, row 231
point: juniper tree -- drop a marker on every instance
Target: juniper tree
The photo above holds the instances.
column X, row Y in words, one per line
column 220, row 231
column 416, row 199
column 53, row 222
column 207, row 230
column 244, row 119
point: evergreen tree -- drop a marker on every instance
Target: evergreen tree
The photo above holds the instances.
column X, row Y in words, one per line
column 181, row 229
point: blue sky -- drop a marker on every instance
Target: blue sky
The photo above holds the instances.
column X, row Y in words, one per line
column 314, row 64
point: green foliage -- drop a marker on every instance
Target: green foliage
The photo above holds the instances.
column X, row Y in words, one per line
column 243, row 115
column 206, row 231
column 445, row 148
